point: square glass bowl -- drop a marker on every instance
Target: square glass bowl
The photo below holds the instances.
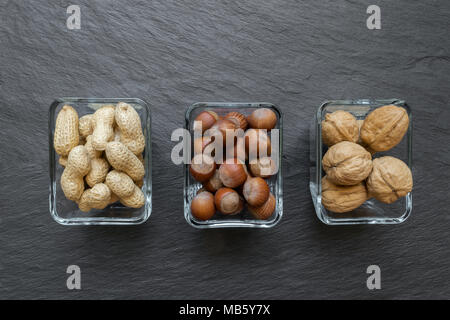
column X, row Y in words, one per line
column 66, row 212
column 191, row 186
column 372, row 211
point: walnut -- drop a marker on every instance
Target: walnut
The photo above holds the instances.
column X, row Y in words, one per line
column 360, row 123
column 384, row 127
column 340, row 199
column 390, row 179
column 339, row 126
column 347, row 163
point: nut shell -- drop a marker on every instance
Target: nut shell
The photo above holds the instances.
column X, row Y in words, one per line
column 202, row 206
column 239, row 119
column 129, row 123
column 98, row 197
column 201, row 143
column 263, row 167
column 339, row 126
column 136, row 200
column 347, row 163
column 256, row 191
column 232, row 174
column 265, row 211
column 90, row 149
column 202, row 167
column 384, row 127
column 214, row 184
column 341, row 199
column 390, row 179
column 122, row 159
column 205, row 119
column 228, row 201
column 66, row 135
column 262, row 118
column 77, row 166
column 85, row 126
column 103, row 121
column 223, row 128
column 98, row 172
column 120, row 183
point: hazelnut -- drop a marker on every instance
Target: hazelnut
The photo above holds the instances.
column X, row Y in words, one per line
column 221, row 127
column 228, row 201
column 265, row 211
column 202, row 206
column 347, row 163
column 339, row 126
column 390, row 179
column 262, row 118
column 205, row 119
column 384, row 127
column 239, row 119
column 232, row 173
column 263, row 167
column 202, row 167
column 256, row 191
column 257, row 143
column 341, row 199
column 214, row 184
column 201, row 143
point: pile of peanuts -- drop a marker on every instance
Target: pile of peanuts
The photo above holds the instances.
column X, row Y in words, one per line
column 102, row 156
column 240, row 178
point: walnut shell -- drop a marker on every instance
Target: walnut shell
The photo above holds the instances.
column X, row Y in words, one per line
column 384, row 127
column 390, row 179
column 360, row 123
column 347, row 163
column 339, row 126
column 341, row 199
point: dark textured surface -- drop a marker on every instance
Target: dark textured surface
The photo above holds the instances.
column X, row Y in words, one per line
column 174, row 53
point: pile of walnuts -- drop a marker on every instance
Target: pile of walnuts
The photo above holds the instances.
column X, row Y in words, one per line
column 352, row 176
column 102, row 156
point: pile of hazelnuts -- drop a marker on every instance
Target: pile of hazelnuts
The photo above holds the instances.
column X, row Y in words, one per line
column 240, row 179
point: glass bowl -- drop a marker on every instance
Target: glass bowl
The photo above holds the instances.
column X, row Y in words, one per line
column 372, row 211
column 66, row 212
column 191, row 186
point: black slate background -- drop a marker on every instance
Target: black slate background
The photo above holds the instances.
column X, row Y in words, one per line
column 173, row 53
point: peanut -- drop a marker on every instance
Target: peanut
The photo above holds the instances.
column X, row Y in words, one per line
column 103, row 121
column 129, row 123
column 66, row 134
column 122, row 159
column 123, row 186
column 136, row 200
column 85, row 126
column 114, row 198
column 117, row 134
column 141, row 158
column 90, row 149
column 62, row 161
column 119, row 183
column 98, row 172
column 78, row 165
column 98, row 197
